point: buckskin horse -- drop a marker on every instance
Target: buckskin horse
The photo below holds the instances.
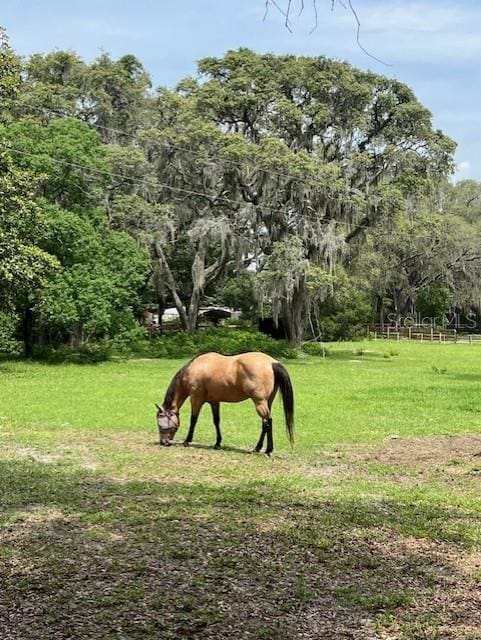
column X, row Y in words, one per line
column 214, row 378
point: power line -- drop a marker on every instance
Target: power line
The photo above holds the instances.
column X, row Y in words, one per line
column 220, row 199
column 169, row 144
column 202, row 195
column 217, row 199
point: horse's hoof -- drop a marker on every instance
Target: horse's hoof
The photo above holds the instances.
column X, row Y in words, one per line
column 268, row 454
column 186, row 444
column 217, row 446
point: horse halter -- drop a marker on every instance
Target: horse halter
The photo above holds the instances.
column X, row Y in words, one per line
column 171, row 425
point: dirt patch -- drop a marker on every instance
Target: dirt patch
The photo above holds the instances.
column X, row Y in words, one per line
column 80, row 455
column 454, row 461
column 426, row 451
column 33, row 454
column 33, row 514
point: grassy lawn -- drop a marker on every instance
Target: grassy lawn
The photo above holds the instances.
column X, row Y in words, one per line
column 369, row 529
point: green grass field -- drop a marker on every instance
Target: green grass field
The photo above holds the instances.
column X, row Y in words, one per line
column 369, row 528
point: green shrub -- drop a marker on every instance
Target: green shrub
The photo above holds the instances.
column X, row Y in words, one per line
column 344, row 313
column 129, row 337
column 434, row 301
column 89, row 353
column 228, row 341
column 315, row 349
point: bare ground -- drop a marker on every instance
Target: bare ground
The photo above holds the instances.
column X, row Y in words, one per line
column 202, row 553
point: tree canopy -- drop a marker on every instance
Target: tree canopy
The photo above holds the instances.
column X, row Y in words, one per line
column 298, row 186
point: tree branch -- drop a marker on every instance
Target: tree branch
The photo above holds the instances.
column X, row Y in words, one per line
column 214, row 270
column 170, row 282
column 364, row 224
column 349, row 7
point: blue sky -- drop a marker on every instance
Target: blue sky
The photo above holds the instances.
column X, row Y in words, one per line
column 432, row 45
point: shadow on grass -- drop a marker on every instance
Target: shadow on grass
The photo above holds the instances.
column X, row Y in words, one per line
column 464, row 377
column 360, row 354
column 207, row 447
column 84, row 557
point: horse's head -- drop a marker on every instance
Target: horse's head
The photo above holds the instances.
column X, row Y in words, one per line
column 168, row 422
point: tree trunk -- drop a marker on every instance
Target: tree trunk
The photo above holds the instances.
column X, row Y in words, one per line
column 194, row 309
column 201, row 276
column 293, row 315
column 170, row 284
column 76, row 335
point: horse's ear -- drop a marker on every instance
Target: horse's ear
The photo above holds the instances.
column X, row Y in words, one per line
column 159, row 408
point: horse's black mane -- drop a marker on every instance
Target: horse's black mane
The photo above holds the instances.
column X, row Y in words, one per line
column 170, row 393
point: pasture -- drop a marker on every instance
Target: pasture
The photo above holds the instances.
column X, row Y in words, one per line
column 369, row 528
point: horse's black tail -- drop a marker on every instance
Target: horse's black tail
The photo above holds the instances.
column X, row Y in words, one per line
column 282, row 380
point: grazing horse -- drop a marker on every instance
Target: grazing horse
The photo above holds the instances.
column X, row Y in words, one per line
column 215, row 378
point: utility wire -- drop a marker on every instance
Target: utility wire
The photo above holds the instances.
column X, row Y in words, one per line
column 166, row 143
column 171, row 145
column 191, row 192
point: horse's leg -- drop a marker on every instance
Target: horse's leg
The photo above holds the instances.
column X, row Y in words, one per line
column 262, row 408
column 270, row 439
column 196, row 406
column 216, row 417
column 261, row 439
